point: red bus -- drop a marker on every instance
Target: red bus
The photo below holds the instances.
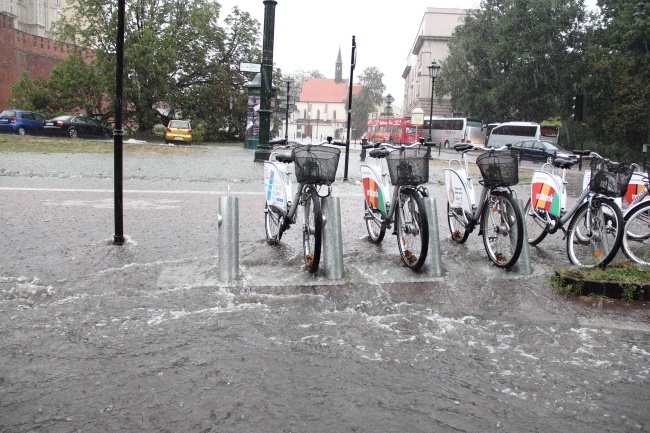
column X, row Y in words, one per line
column 398, row 130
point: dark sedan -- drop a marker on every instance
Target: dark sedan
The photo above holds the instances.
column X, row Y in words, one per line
column 544, row 151
column 76, row 126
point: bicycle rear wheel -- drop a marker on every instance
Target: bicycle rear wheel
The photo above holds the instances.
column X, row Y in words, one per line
column 273, row 225
column 374, row 225
column 595, row 233
column 457, row 224
column 636, row 241
column 535, row 224
column 412, row 229
column 312, row 230
column 503, row 229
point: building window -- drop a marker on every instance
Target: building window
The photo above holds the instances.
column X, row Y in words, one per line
column 325, row 108
column 58, row 2
column 334, row 115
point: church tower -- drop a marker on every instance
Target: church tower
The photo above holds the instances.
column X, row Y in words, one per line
column 338, row 74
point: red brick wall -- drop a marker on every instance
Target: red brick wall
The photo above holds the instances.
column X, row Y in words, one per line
column 21, row 52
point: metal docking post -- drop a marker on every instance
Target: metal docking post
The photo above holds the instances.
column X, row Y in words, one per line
column 523, row 263
column 433, row 262
column 228, row 238
column 332, row 238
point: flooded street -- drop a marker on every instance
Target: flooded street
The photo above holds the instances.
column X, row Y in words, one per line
column 144, row 336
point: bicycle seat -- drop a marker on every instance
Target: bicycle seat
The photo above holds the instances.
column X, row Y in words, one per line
column 460, row 147
column 284, row 157
column 563, row 163
column 379, row 153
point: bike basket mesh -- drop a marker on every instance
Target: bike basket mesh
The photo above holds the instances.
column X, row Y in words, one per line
column 316, row 164
column 408, row 166
column 498, row 168
column 609, row 178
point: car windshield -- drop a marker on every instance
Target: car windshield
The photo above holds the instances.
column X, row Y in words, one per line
column 8, row 113
column 63, row 118
column 179, row 124
column 551, row 146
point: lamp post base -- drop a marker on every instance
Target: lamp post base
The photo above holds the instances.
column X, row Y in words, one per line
column 262, row 153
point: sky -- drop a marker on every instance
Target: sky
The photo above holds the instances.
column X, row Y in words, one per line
column 308, row 34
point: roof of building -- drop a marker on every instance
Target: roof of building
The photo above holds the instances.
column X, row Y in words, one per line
column 326, row 90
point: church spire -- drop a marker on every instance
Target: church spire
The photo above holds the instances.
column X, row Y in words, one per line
column 338, row 74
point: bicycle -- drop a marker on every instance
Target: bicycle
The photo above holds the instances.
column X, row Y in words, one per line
column 636, row 242
column 496, row 212
column 594, row 233
column 406, row 168
column 315, row 167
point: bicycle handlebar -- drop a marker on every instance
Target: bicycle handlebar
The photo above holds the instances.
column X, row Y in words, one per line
column 385, row 145
column 283, row 142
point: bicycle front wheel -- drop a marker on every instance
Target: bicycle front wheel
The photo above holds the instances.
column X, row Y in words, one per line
column 535, row 224
column 595, row 233
column 312, row 230
column 503, row 229
column 412, row 229
column 457, row 224
column 636, row 241
column 375, row 225
column 272, row 223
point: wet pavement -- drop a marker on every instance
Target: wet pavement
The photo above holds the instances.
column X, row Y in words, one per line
column 144, row 336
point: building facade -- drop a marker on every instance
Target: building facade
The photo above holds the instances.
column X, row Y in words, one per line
column 321, row 109
column 430, row 44
column 22, row 52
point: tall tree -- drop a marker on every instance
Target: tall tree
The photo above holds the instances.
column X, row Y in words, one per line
column 515, row 59
column 367, row 100
column 175, row 53
column 617, row 87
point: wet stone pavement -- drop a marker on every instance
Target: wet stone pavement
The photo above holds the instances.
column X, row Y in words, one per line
column 144, row 336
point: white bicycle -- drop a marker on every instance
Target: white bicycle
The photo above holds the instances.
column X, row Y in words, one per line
column 496, row 212
column 315, row 170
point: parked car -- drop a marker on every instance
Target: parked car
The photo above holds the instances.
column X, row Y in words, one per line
column 544, row 151
column 76, row 126
column 178, row 130
column 21, row 122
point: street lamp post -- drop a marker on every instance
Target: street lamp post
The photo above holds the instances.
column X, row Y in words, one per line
column 288, row 82
column 434, row 68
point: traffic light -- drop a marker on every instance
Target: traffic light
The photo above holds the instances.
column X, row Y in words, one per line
column 577, row 107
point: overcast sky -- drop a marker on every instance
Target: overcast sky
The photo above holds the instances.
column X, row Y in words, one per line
column 308, row 34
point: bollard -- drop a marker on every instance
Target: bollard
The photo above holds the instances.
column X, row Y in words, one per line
column 523, row 263
column 332, row 238
column 364, row 142
column 433, row 262
column 228, row 238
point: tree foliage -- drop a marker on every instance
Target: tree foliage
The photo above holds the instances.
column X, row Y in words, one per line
column 367, row 100
column 617, row 85
column 73, row 85
column 515, row 59
column 177, row 59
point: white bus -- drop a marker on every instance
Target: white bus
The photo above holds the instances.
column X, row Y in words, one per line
column 448, row 131
column 512, row 132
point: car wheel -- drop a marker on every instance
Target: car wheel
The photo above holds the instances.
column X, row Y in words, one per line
column 21, row 131
column 549, row 160
column 72, row 132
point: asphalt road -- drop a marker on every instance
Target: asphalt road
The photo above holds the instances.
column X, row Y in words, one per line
column 144, row 336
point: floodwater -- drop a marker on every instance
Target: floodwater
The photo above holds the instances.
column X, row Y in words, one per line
column 144, row 336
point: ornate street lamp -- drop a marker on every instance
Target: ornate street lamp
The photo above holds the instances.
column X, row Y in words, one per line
column 388, row 110
column 288, row 82
column 434, row 68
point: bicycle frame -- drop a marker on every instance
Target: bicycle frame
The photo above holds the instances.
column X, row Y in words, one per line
column 377, row 190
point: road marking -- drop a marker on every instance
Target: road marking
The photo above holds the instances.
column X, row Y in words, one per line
column 148, row 191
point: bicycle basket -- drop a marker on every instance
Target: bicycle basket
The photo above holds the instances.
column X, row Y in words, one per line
column 499, row 168
column 609, row 178
column 408, row 166
column 316, row 164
